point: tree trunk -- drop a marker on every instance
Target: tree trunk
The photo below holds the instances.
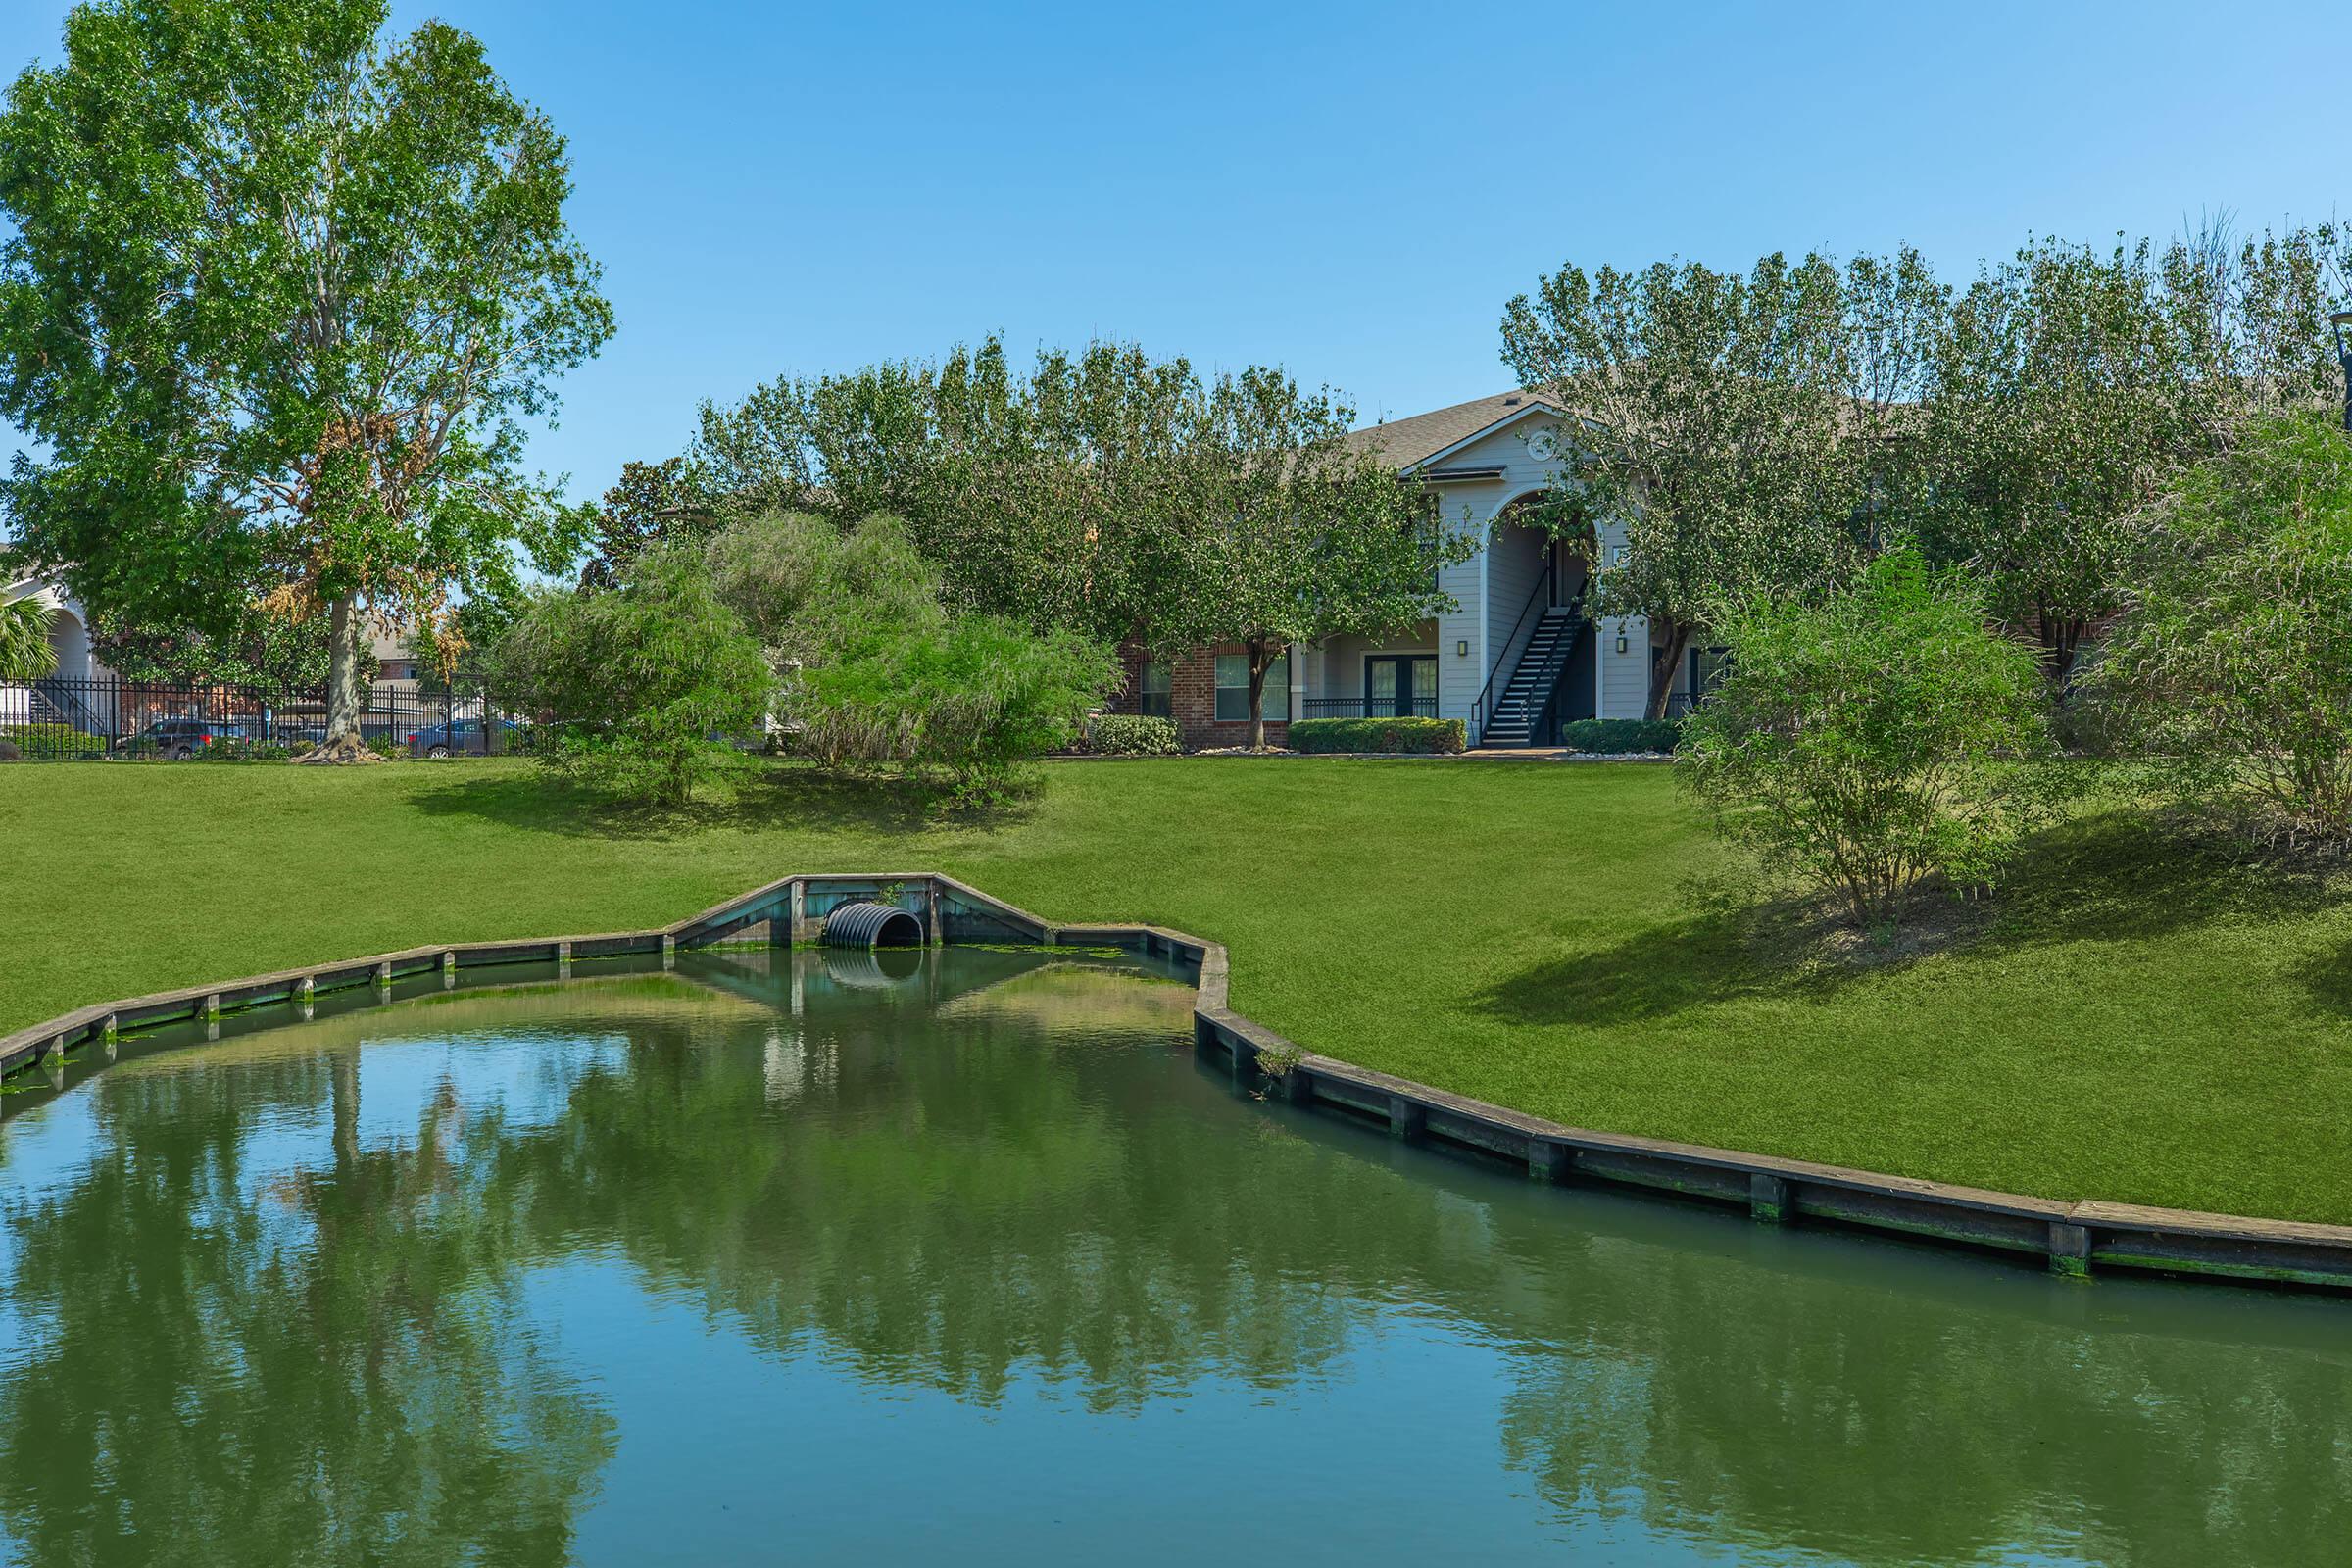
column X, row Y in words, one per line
column 343, row 743
column 1258, row 691
column 2061, row 641
column 1663, row 670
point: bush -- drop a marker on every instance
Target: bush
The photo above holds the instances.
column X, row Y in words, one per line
column 1132, row 735
column 1620, row 735
column 875, row 669
column 643, row 682
column 1874, row 742
column 2228, row 663
column 1427, row 735
column 52, row 741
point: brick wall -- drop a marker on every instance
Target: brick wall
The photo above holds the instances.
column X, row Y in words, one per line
column 1192, row 699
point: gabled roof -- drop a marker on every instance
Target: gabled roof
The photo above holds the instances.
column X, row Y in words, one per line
column 1412, row 442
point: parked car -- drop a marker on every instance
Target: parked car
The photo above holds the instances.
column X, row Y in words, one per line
column 179, row 739
column 465, row 737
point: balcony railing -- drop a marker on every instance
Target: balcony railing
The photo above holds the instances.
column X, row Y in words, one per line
column 1368, row 707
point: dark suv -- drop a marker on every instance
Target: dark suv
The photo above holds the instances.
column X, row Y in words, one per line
column 465, row 737
column 179, row 738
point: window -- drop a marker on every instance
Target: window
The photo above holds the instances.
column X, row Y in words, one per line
column 1152, row 693
column 1232, row 688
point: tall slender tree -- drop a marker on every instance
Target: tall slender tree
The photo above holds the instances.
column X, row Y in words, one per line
column 279, row 290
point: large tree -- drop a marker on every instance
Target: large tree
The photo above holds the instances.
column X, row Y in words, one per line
column 1717, row 407
column 1278, row 532
column 279, row 292
column 1031, row 490
column 2073, row 383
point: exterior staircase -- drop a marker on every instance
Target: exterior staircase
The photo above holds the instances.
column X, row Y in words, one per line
column 1520, row 705
column 55, row 703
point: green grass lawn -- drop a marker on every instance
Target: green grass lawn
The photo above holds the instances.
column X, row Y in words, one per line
column 2140, row 1026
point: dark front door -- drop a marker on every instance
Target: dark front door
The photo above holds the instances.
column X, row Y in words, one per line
column 1400, row 685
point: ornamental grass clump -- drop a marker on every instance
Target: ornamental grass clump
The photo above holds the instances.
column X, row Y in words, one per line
column 2230, row 671
column 1881, row 741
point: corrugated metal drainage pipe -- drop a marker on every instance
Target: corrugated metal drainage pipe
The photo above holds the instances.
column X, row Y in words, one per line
column 872, row 925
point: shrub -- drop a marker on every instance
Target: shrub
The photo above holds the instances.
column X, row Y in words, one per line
column 967, row 700
column 1427, row 735
column 1873, row 741
column 2228, row 663
column 53, row 741
column 234, row 749
column 1619, row 735
column 872, row 667
column 642, row 682
column 1132, row 735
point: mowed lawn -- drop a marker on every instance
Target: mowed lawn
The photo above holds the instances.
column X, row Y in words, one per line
column 2137, row 1024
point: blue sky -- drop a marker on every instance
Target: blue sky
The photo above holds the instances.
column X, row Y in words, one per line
column 1352, row 191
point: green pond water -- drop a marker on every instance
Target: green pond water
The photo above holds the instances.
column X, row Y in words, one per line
column 799, row 1257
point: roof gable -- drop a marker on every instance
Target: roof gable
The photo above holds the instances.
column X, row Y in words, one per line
column 1428, row 440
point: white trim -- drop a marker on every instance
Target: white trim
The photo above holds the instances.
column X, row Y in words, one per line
column 1534, row 405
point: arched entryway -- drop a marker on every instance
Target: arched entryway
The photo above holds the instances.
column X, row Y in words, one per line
column 69, row 640
column 1542, row 670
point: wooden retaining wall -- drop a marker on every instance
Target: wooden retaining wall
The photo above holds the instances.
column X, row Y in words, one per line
column 2074, row 1238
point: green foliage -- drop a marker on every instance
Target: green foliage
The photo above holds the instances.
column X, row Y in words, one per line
column 234, row 749
column 25, row 649
column 2070, row 384
column 1036, row 496
column 1279, row 531
column 967, row 701
column 1424, row 735
column 232, row 643
column 275, row 297
column 875, row 669
column 1723, row 404
column 651, row 503
column 1132, row 735
column 2231, row 662
column 1619, row 736
column 1103, row 491
column 1873, row 741
column 637, row 686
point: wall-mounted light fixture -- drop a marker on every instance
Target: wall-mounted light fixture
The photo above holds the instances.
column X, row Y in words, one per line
column 1620, row 642
column 1461, row 648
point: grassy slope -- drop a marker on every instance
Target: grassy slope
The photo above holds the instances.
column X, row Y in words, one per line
column 1520, row 932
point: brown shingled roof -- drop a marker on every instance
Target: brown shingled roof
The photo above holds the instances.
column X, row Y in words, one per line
column 1410, row 440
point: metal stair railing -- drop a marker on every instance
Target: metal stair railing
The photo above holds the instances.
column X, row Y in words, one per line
column 1482, row 710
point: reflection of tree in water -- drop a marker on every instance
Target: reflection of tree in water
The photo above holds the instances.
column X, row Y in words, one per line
column 950, row 1216
column 1750, row 1401
column 342, row 1358
column 325, row 1368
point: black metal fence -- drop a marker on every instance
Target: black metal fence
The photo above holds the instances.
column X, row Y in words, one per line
column 1368, row 707
column 57, row 719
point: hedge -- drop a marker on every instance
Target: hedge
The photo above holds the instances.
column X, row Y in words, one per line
column 1132, row 735
column 52, row 739
column 1619, row 735
column 1378, row 735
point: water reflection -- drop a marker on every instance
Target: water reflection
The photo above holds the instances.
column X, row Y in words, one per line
column 302, row 1296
